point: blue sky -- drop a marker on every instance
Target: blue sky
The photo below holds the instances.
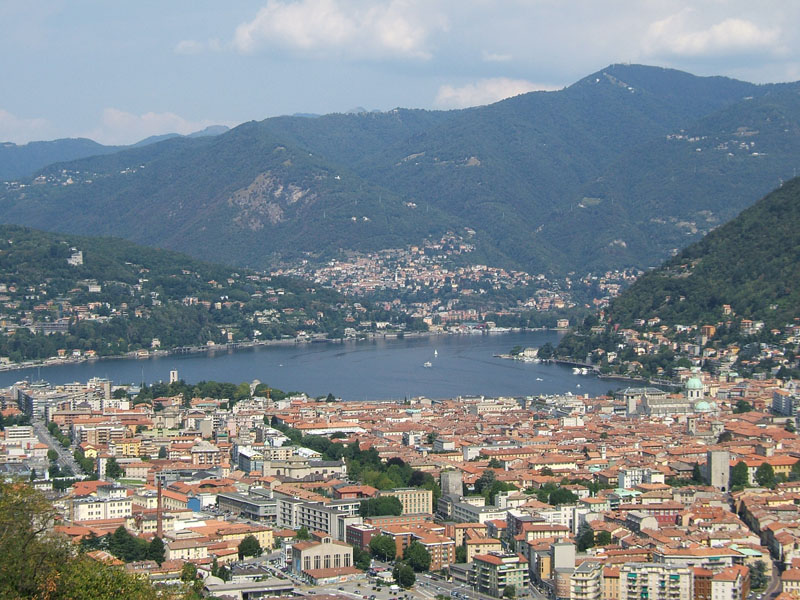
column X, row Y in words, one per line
column 120, row 71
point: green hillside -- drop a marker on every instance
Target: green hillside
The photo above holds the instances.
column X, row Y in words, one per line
column 620, row 169
column 119, row 297
column 751, row 263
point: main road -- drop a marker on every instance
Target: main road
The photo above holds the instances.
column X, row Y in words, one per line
column 65, row 458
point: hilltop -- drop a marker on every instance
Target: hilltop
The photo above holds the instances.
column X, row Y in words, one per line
column 620, row 169
column 751, row 264
column 23, row 160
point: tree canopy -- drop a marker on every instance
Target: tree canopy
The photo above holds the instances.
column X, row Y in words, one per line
column 417, row 556
column 383, row 547
column 38, row 563
column 249, row 546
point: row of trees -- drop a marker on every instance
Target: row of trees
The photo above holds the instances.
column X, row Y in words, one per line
column 125, row 546
column 764, row 476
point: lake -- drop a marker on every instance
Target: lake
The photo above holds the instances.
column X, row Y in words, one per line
column 380, row 369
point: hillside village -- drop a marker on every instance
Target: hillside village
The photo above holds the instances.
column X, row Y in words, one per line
column 692, row 495
column 434, row 282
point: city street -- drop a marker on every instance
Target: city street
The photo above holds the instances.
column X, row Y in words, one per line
column 65, row 458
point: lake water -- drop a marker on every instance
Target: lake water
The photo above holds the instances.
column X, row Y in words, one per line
column 365, row 370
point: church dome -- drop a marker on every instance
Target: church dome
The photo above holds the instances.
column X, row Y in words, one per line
column 704, row 406
column 694, row 383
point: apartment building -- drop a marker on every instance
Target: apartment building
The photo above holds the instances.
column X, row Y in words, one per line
column 414, row 500
column 492, row 573
column 655, row 581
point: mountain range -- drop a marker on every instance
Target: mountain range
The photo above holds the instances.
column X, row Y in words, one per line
column 623, row 168
column 23, row 160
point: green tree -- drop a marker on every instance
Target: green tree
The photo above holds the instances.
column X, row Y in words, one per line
column 562, row 496
column 52, row 455
column 739, row 475
column 758, row 575
column 242, row 392
column 113, row 470
column 249, row 546
column 725, row 436
column 510, row 591
column 302, row 533
column 585, row 539
column 162, row 452
column 494, row 463
column 602, row 538
column 461, row 554
column 156, row 550
column 383, row 505
column 125, row 546
column 485, row 481
column 383, row 547
column 417, row 556
column 30, row 553
column 794, row 474
column 404, row 575
column 40, row 564
column 188, row 572
column 546, row 351
column 85, row 579
column 697, row 476
column 790, row 426
column 361, row 558
column 742, row 406
column 765, row 475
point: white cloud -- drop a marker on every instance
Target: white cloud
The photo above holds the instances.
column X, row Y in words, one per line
column 677, row 35
column 20, row 130
column 494, row 57
column 120, row 127
column 356, row 28
column 189, row 47
column 485, row 91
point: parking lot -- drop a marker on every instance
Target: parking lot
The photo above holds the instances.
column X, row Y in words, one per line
column 369, row 589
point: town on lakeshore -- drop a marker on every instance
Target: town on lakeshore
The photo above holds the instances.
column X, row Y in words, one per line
column 142, row 308
column 243, row 491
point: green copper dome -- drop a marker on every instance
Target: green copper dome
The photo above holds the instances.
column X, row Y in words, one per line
column 694, row 383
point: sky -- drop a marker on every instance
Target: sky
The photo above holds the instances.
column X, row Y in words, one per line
column 117, row 72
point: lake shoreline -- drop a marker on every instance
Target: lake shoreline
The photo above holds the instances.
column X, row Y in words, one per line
column 55, row 361
column 368, row 369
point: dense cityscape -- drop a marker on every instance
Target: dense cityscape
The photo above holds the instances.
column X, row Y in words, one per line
column 242, row 490
column 400, row 300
